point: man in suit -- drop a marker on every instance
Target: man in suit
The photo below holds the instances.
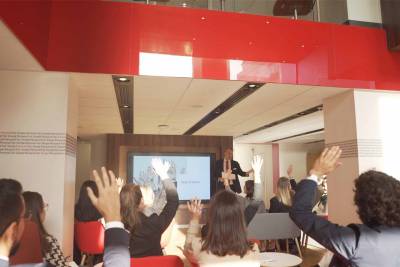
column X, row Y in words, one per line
column 229, row 167
column 375, row 242
column 12, row 209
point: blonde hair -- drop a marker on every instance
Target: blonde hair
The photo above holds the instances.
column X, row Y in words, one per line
column 284, row 191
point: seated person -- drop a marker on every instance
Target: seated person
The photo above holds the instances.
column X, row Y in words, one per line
column 146, row 231
column 84, row 209
column 282, row 202
column 35, row 211
column 375, row 242
column 225, row 243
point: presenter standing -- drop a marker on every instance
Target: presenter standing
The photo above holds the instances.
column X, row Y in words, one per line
column 227, row 168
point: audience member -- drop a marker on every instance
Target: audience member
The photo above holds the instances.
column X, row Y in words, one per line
column 225, row 243
column 116, row 239
column 253, row 202
column 282, row 202
column 145, row 230
column 35, row 210
column 12, row 210
column 84, row 209
column 375, row 242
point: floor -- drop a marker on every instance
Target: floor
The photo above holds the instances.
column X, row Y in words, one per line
column 311, row 255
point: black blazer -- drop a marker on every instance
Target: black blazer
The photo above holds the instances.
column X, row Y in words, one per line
column 353, row 245
column 236, row 170
column 275, row 206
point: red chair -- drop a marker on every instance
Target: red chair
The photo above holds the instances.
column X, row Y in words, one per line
column 157, row 261
column 89, row 238
column 29, row 248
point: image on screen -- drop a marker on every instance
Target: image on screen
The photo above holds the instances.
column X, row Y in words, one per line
column 190, row 173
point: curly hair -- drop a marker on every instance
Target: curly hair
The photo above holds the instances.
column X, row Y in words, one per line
column 377, row 196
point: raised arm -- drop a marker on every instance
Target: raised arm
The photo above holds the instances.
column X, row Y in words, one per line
column 191, row 248
column 338, row 239
column 170, row 208
column 256, row 164
column 116, row 240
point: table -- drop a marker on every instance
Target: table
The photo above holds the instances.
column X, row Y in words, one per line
column 275, row 259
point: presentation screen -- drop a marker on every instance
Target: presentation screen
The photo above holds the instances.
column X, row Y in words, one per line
column 191, row 173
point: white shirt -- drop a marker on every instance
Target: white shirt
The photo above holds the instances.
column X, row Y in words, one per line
column 4, row 258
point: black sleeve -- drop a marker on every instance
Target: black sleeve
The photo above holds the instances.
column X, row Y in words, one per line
column 293, row 184
column 239, row 170
column 273, row 208
column 169, row 211
column 338, row 239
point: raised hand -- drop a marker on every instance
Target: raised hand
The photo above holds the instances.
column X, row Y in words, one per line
column 161, row 167
column 289, row 171
column 256, row 164
column 195, row 207
column 327, row 162
column 120, row 183
column 107, row 203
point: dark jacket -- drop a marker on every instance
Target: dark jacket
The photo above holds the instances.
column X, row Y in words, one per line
column 236, row 170
column 354, row 245
column 275, row 206
column 145, row 239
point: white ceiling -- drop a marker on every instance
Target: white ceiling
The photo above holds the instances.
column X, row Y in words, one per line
column 98, row 108
column 13, row 54
column 177, row 102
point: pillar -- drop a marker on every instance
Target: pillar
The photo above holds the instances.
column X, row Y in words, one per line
column 364, row 124
column 38, row 129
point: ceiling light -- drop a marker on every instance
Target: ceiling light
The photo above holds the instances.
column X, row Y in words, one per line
column 252, row 85
column 162, row 126
column 125, row 106
column 122, row 79
column 184, row 5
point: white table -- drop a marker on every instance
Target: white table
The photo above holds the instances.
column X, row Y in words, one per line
column 275, row 259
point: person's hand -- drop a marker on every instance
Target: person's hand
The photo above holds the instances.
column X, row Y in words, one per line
column 161, row 167
column 327, row 162
column 289, row 171
column 107, row 203
column 256, row 164
column 195, row 207
column 120, row 183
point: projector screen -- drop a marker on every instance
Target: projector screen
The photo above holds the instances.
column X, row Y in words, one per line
column 190, row 172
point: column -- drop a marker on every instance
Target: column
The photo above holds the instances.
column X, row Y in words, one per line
column 364, row 124
column 38, row 129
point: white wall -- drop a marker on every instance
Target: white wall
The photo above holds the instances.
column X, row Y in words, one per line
column 243, row 153
column 296, row 154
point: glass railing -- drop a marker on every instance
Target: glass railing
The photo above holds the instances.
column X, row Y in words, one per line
column 314, row 10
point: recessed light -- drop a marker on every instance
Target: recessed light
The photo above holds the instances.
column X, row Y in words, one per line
column 203, row 18
column 125, row 106
column 184, row 5
column 122, row 79
column 302, row 113
column 163, row 126
column 252, row 85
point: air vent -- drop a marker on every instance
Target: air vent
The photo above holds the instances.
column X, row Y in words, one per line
column 123, row 86
column 234, row 99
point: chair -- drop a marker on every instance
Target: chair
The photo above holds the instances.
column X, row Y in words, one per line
column 157, row 261
column 274, row 226
column 89, row 238
column 30, row 249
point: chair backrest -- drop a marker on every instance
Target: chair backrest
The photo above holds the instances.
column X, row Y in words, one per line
column 272, row 226
column 89, row 237
column 157, row 261
column 29, row 250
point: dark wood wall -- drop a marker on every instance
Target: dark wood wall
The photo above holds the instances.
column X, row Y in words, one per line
column 391, row 22
column 119, row 145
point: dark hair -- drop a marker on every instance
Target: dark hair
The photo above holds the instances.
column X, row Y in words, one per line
column 249, row 188
column 84, row 209
column 130, row 198
column 226, row 233
column 377, row 196
column 11, row 203
column 34, row 207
